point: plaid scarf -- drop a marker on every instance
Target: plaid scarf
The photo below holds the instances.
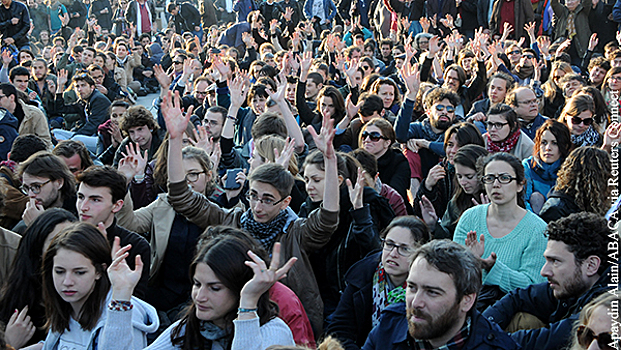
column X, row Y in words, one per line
column 588, row 138
column 503, row 146
column 382, row 296
column 265, row 233
column 456, row 343
column 571, row 25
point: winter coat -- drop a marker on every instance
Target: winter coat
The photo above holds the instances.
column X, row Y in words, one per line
column 103, row 19
column 93, row 112
column 558, row 205
column 581, row 22
column 35, row 123
column 523, row 14
column 19, row 31
column 8, row 132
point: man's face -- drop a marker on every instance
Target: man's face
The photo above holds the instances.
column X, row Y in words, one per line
column 44, row 36
column 312, row 89
column 39, row 70
column 7, row 3
column 451, row 80
column 200, row 91
column 213, row 124
column 432, row 306
column 87, row 57
column 49, row 191
column 569, row 87
column 21, row 82
column 368, row 51
column 83, row 90
column 7, row 102
column 265, row 212
column 597, row 74
column 98, row 76
column 439, row 115
column 572, row 4
column 141, row 135
column 95, row 205
column 174, row 11
column 527, row 104
column 355, row 55
column 566, row 278
column 386, row 50
column 497, row 90
column 74, row 163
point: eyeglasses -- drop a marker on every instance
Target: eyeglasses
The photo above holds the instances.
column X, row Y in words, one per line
column 253, row 198
column 615, row 78
column 449, row 109
column 604, row 340
column 515, row 52
column 374, row 136
column 35, row 188
column 496, row 126
column 502, row 178
column 177, row 62
column 578, row 120
column 529, row 56
column 193, row 177
column 529, row 102
column 403, row 250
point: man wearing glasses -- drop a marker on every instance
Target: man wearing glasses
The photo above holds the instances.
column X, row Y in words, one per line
column 526, row 105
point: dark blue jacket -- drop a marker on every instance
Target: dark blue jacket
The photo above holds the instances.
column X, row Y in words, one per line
column 531, row 128
column 392, row 333
column 8, row 132
column 93, row 112
column 538, row 300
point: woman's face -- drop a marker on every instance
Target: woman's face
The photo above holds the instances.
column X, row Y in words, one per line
column 599, row 322
column 467, row 178
column 98, row 60
column 74, row 278
column 497, row 192
column 498, row 128
column 387, row 93
column 315, row 182
column 451, row 148
column 121, row 51
column 557, row 75
column 614, row 82
column 376, row 148
column 24, row 56
column 326, row 106
column 194, row 170
column 213, row 301
column 395, row 264
column 577, row 128
column 55, row 231
column 549, row 151
column 255, row 160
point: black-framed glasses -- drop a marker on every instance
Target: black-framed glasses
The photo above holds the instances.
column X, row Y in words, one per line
column 374, row 136
column 449, row 109
column 502, row 178
column 578, row 120
column 604, row 340
column 529, row 102
column 496, row 126
column 193, row 177
column 529, row 56
column 402, row 250
column 253, row 198
column 35, row 187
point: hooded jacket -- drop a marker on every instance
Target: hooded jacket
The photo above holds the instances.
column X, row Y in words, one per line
column 8, row 132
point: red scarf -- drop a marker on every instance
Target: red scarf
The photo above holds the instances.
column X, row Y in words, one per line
column 503, row 146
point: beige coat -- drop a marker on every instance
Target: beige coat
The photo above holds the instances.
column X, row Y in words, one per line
column 9, row 241
column 35, row 123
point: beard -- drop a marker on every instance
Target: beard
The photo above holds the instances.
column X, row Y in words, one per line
column 432, row 328
column 574, row 286
column 441, row 124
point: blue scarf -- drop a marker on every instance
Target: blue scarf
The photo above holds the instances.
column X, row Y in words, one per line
column 547, row 172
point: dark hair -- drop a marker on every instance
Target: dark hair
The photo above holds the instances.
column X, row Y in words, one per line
column 337, row 101
column 379, row 81
column 226, row 255
column 26, row 145
column 461, row 73
column 371, row 103
column 514, row 162
column 509, row 81
column 85, row 239
column 439, row 94
column 385, row 127
column 93, row 67
column 456, row 261
column 8, row 90
column 600, row 62
column 465, row 134
column 83, row 77
column 269, row 123
column 467, row 156
column 105, row 176
column 220, row 110
column 18, row 71
column 577, row 104
column 573, row 76
column 560, row 132
column 346, row 164
column 275, row 175
column 315, row 77
column 585, row 234
column 602, row 113
column 507, row 113
column 258, row 90
column 137, row 116
column 418, row 229
column 118, row 103
column 367, row 161
column 47, row 165
column 23, row 284
column 69, row 148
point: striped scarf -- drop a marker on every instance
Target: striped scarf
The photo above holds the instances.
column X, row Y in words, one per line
column 382, row 296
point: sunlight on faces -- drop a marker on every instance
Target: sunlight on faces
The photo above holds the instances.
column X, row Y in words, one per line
column 549, row 151
column 263, row 212
column 527, row 104
column 39, row 70
column 21, row 82
column 255, row 160
column 498, row 193
column 141, row 135
column 315, row 182
column 192, row 166
column 501, row 134
column 451, row 148
column 312, row 89
column 597, row 74
column 213, row 301
column 497, row 90
column 387, row 93
column 570, row 87
column 566, row 278
column 257, row 104
column 74, row 278
column 467, row 178
column 578, row 129
column 441, row 120
column 396, row 265
column 376, row 148
column 83, row 89
column 599, row 322
column 326, row 106
column 95, row 205
column 116, row 112
column 451, row 80
column 213, row 123
column 614, row 82
column 121, row 51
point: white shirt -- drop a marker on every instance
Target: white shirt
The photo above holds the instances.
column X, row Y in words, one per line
column 74, row 339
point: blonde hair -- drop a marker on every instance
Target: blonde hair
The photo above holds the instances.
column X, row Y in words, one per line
column 550, row 88
column 606, row 300
column 265, row 148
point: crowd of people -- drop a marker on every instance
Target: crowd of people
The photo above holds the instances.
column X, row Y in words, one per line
column 420, row 174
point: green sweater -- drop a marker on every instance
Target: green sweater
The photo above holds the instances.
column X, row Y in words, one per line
column 520, row 253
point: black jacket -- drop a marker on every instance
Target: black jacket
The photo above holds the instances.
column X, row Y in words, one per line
column 103, row 19
column 440, row 194
column 94, row 112
column 558, row 205
column 558, row 315
column 186, row 19
column 19, row 31
column 77, row 7
column 394, row 171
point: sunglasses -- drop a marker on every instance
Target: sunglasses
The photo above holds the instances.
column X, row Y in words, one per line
column 515, row 52
column 374, row 136
column 578, row 120
column 604, row 340
column 529, row 56
column 449, row 109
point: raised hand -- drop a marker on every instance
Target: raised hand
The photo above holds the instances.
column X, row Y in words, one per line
column 133, row 150
column 428, row 213
column 223, row 68
column 128, row 166
column 324, row 141
column 278, row 96
column 530, row 29
column 305, row 63
column 285, row 157
column 176, row 121
column 563, row 46
column 32, row 211
column 161, row 76
column 19, row 329
column 434, row 46
column 115, row 134
column 356, row 192
column 484, row 200
column 203, row 141
column 507, row 29
column 424, row 22
column 593, row 42
column 122, row 278
column 62, row 78
column 476, row 247
column 411, row 77
column 544, row 45
column 237, row 91
column 6, row 57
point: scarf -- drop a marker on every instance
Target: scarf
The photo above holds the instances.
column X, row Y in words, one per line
column 503, row 146
column 547, row 172
column 265, row 233
column 139, row 16
column 588, row 138
column 121, row 62
column 571, row 24
column 524, row 72
column 214, row 333
column 9, row 164
column 429, row 134
column 382, row 296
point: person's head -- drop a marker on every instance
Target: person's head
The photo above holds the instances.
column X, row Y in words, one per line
column 514, row 53
column 353, row 53
column 421, row 41
column 552, row 142
column 314, row 173
column 598, row 67
column 440, row 107
column 442, row 287
column 138, row 123
column 615, row 58
column 25, row 55
column 610, row 48
column 612, row 81
column 584, row 177
column 88, row 55
column 498, row 87
column 264, row 152
column 97, row 73
column 386, row 47
column 46, row 179
column 198, row 169
column 388, row 90
column 117, row 109
column 502, row 175
column 9, row 96
column 502, row 122
column 372, row 107
column 201, row 86
column 268, row 124
column 26, row 145
column 269, row 191
column 465, row 162
column 44, row 36
column 75, row 282
column 593, row 331
column 84, row 85
column 100, row 195
column 330, row 103
column 558, row 71
column 314, row 83
column 459, row 135
column 400, row 240
column 572, row 82
column 257, row 96
column 369, row 47
column 578, row 114
column 572, row 265
column 214, row 120
column 454, row 77
column 524, row 103
column 39, row 69
column 19, row 77
column 376, row 136
column 74, row 154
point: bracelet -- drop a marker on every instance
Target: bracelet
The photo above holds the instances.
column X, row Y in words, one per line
column 120, row 305
column 139, row 178
column 242, row 310
column 231, row 117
